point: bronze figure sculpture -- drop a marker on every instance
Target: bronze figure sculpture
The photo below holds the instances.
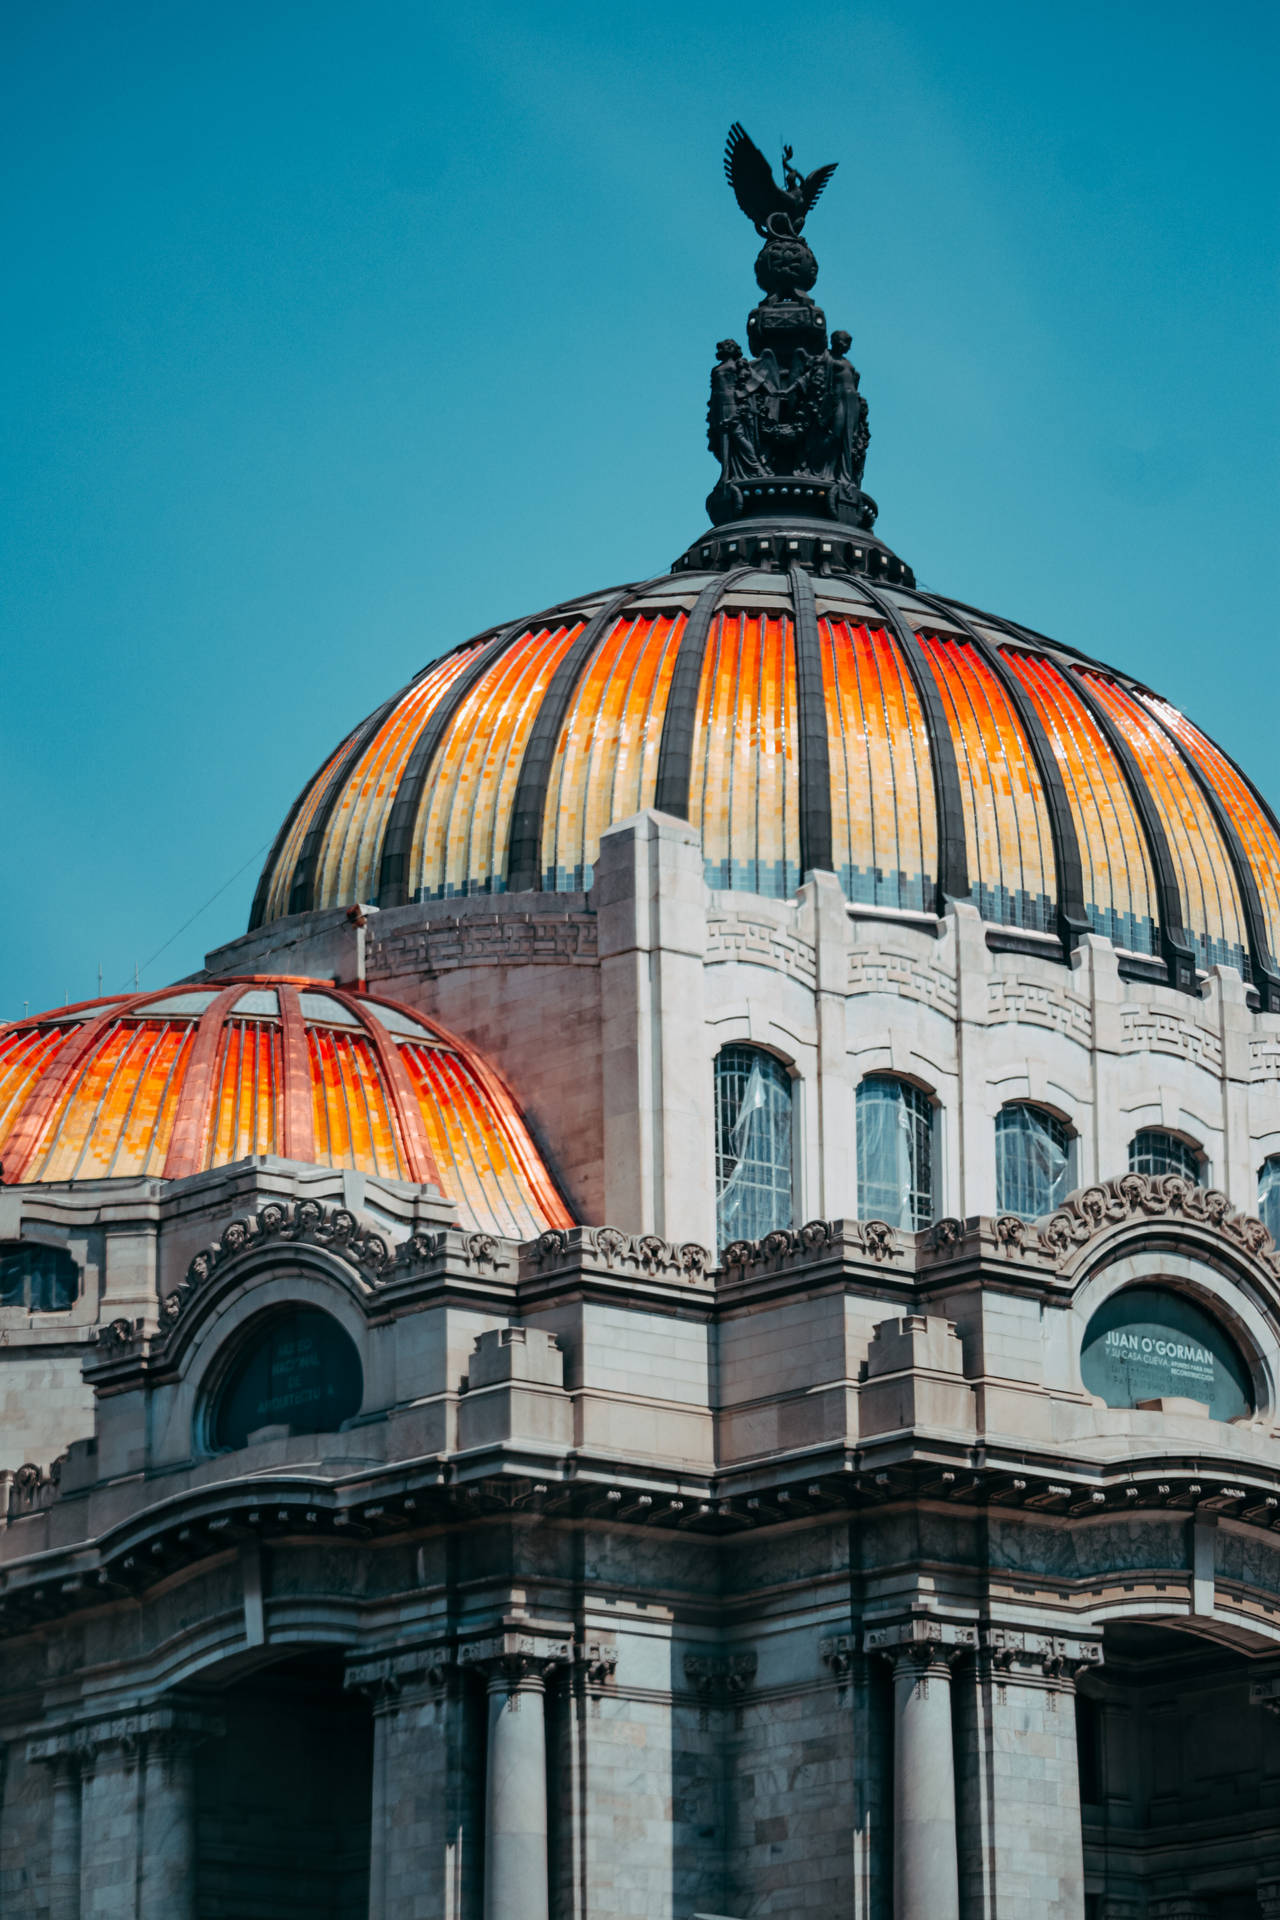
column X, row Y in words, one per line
column 793, row 413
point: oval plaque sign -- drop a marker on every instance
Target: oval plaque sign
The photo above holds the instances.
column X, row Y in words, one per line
column 1149, row 1344
column 302, row 1371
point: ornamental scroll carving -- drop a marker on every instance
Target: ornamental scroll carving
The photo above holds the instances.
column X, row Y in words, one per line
column 307, row 1223
column 304, row 1222
column 616, row 1251
column 875, row 1239
column 1133, row 1196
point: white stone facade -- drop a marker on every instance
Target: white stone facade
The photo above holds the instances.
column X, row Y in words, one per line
column 647, row 1584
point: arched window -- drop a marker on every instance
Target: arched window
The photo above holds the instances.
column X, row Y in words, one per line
column 1269, row 1195
column 299, row 1370
column 42, row 1279
column 1153, row 1151
column 753, row 1144
column 895, row 1152
column 1035, row 1160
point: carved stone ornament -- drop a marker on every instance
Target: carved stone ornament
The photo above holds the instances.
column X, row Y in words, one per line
column 620, row 1252
column 838, row 1651
column 923, row 1638
column 1133, row 1196
column 720, row 1679
column 1047, row 1656
column 304, row 1222
column 171, row 1727
column 875, row 1239
column 386, row 1680
column 513, row 1660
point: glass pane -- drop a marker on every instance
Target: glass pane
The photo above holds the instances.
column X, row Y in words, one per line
column 260, row 1003
column 1269, row 1195
column 1033, row 1162
column 400, row 1023
column 1152, row 1152
column 302, row 1371
column 43, row 1279
column 753, row 1144
column 895, row 1153
column 323, row 1008
column 173, row 1004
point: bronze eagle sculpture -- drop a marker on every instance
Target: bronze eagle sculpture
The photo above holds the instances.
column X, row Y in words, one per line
column 774, row 211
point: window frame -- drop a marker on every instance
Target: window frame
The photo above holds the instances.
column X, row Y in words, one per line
column 1070, row 1142
column 1271, row 1160
column 1193, row 1148
column 932, row 1105
column 793, row 1083
column 29, row 1252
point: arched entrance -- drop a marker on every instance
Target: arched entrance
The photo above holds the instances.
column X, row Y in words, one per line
column 1179, row 1778
column 283, row 1799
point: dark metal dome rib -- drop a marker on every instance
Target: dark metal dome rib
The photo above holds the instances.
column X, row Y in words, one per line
column 922, row 749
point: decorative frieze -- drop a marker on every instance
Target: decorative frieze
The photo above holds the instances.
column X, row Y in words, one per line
column 1133, row 1196
column 473, row 940
column 1040, row 1004
column 85, row 1740
column 733, row 937
column 1264, row 1059
column 874, row 1240
column 1146, row 1030
column 302, row 1222
column 874, row 970
column 641, row 1254
column 1015, row 1653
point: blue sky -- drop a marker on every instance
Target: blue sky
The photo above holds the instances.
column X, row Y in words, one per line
column 331, row 334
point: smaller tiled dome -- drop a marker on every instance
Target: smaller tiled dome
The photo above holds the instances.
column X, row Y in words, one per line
column 167, row 1084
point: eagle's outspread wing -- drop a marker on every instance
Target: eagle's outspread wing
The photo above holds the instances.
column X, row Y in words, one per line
column 815, row 182
column 751, row 177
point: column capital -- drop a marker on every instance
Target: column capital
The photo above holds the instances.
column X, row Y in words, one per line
column 1269, row 1898
column 84, row 1740
column 392, row 1679
column 921, row 1640
column 1266, row 1694
column 513, row 1660
column 1018, row 1655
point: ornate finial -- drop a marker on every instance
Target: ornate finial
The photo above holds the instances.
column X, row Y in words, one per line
column 794, row 413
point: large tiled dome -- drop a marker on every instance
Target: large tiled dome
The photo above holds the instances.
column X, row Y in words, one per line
column 800, row 718
column 171, row 1083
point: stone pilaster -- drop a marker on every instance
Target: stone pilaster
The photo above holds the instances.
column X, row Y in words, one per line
column 516, row 1865
column 64, row 1838
column 421, row 1835
column 122, row 1817
column 1021, row 1840
column 167, row 1881
column 650, row 901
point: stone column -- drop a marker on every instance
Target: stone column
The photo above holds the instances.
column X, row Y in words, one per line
column 926, row 1883
column 109, row 1809
column 1021, row 1843
column 64, row 1839
column 516, row 1866
column 167, row 1883
column 122, row 1815
column 422, row 1851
